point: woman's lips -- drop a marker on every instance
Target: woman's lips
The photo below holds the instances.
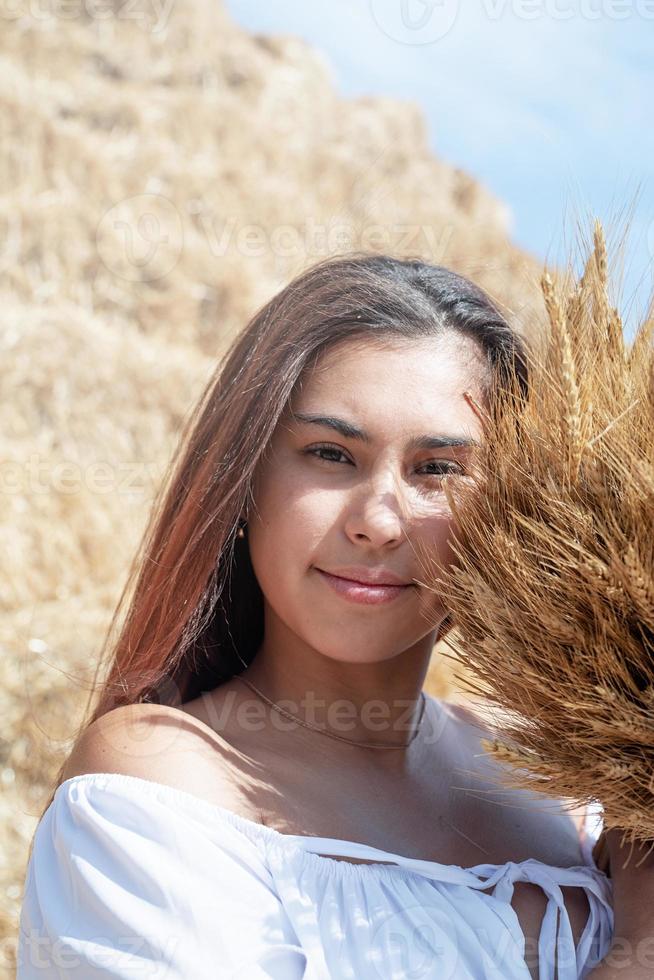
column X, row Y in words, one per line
column 359, row 592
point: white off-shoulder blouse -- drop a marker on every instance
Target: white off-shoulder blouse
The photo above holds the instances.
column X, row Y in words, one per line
column 131, row 878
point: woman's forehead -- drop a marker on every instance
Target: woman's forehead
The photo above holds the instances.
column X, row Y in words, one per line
column 410, row 377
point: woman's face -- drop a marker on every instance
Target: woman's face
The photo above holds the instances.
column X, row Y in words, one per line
column 336, row 501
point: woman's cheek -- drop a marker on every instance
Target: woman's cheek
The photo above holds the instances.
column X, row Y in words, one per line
column 436, row 545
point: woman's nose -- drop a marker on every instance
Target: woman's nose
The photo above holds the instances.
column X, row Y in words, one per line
column 381, row 514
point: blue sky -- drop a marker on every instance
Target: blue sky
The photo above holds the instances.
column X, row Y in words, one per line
column 546, row 102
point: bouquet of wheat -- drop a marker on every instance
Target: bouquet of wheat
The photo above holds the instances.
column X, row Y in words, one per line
column 553, row 586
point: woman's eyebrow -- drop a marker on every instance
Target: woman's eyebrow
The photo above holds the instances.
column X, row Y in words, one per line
column 350, row 431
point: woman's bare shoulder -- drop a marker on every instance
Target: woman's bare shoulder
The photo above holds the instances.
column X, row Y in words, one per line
column 157, row 742
column 464, row 712
column 547, row 827
column 469, row 720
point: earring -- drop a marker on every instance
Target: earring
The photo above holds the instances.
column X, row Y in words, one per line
column 240, row 533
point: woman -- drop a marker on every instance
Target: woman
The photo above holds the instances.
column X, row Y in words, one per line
column 263, row 789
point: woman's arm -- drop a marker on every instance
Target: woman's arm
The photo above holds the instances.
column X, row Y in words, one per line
column 631, row 956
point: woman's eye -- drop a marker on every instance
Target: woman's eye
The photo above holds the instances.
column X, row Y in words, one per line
column 334, row 450
column 329, row 454
column 444, row 467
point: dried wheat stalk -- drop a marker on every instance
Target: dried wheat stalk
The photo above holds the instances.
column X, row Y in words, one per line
column 553, row 586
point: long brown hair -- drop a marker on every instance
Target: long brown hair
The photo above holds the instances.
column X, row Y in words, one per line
column 192, row 600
